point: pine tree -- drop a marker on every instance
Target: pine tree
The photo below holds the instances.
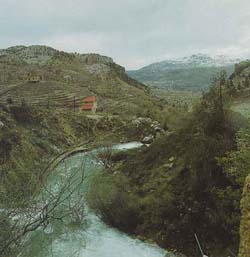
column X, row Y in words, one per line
column 222, row 77
column 246, row 83
column 239, row 86
column 231, row 83
column 230, row 87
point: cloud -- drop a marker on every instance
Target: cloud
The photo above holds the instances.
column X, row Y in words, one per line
column 134, row 33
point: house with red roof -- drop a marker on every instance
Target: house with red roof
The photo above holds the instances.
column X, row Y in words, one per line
column 89, row 104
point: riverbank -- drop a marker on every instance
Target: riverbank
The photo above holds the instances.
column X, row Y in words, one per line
column 88, row 237
column 31, row 138
column 179, row 186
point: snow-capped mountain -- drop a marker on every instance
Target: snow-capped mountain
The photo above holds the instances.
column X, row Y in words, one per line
column 187, row 73
column 196, row 60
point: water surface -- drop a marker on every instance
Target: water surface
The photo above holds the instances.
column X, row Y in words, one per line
column 91, row 238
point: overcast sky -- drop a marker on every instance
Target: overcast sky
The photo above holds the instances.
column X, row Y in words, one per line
column 133, row 32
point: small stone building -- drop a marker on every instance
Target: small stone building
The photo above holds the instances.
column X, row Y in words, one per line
column 33, row 78
column 89, row 104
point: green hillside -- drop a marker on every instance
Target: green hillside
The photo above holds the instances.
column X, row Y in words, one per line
column 40, row 120
column 66, row 76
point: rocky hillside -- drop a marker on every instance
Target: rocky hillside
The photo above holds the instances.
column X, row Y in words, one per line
column 66, row 76
column 37, row 122
column 240, row 79
column 188, row 73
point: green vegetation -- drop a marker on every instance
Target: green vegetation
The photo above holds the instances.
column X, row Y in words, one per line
column 38, row 121
column 110, row 198
column 245, row 221
column 66, row 77
column 237, row 166
column 190, row 180
column 193, row 79
column 30, row 138
column 240, row 67
column 242, row 106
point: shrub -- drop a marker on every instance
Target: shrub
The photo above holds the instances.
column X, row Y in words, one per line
column 110, row 198
column 9, row 100
column 7, row 140
column 5, row 236
column 22, row 113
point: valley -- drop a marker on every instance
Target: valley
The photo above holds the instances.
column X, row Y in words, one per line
column 183, row 180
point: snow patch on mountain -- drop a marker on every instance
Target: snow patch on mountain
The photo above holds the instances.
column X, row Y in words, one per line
column 193, row 61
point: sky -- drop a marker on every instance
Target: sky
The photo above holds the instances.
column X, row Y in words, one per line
column 133, row 32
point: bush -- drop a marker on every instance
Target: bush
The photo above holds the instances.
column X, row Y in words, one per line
column 22, row 113
column 5, row 236
column 7, row 140
column 110, row 198
column 183, row 188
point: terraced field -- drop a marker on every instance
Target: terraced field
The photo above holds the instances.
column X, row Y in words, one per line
column 45, row 93
column 4, row 89
column 57, row 94
column 68, row 77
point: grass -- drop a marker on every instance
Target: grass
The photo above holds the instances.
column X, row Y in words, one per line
column 31, row 139
column 177, row 98
column 242, row 106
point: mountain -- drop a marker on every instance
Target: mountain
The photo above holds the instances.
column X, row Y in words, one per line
column 67, row 76
column 189, row 73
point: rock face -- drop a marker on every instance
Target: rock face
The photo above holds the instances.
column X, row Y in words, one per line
column 245, row 221
column 91, row 59
column 148, row 129
column 31, row 55
column 148, row 140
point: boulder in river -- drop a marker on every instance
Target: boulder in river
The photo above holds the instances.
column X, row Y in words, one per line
column 148, row 140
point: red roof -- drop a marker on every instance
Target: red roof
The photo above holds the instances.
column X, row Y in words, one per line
column 90, row 99
column 87, row 107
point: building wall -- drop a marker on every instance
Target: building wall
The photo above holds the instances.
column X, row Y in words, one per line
column 94, row 107
column 33, row 78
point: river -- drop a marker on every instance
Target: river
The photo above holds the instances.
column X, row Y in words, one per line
column 92, row 237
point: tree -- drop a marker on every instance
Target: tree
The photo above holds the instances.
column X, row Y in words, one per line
column 222, row 77
column 246, row 82
column 218, row 82
column 39, row 211
column 9, row 100
column 229, row 84
column 237, row 162
column 230, row 87
column 239, row 86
